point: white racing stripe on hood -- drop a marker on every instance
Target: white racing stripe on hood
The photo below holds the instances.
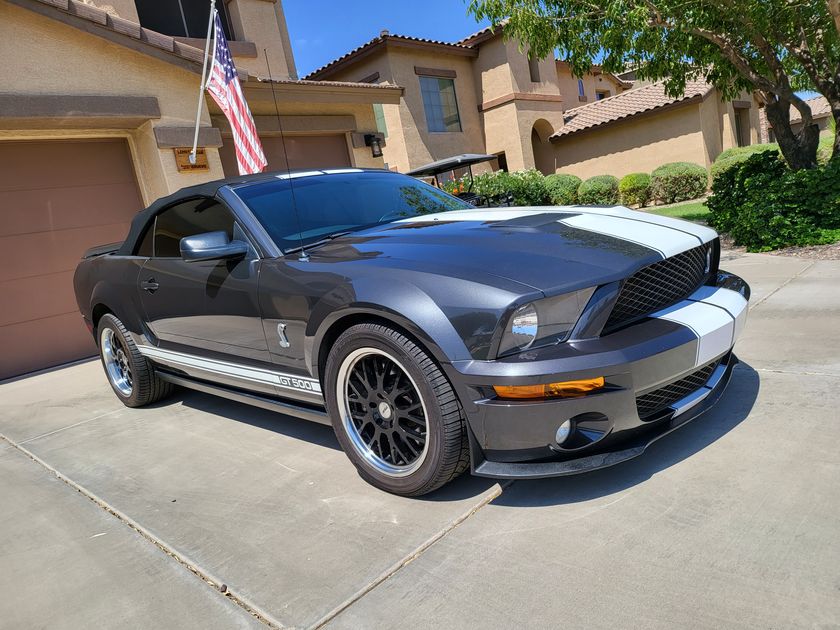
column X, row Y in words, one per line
column 667, row 241
column 702, row 232
column 663, row 234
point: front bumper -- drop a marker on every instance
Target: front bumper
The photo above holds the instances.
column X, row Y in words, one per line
column 681, row 355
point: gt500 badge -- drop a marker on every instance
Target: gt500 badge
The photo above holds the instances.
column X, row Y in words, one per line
column 298, row 383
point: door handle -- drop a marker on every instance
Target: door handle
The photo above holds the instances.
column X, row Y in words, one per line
column 149, row 285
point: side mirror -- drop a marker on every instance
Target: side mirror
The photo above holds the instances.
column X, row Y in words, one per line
column 211, row 246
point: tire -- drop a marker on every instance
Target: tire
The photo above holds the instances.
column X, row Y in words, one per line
column 130, row 374
column 384, row 393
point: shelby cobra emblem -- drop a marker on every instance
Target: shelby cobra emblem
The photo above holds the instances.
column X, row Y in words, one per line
column 432, row 335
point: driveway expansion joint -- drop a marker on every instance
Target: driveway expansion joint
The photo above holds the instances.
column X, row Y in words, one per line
column 218, row 585
column 412, row 556
column 783, row 285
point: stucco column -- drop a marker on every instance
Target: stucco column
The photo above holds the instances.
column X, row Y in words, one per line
column 263, row 22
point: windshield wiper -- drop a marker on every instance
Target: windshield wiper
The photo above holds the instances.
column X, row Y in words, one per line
column 318, row 243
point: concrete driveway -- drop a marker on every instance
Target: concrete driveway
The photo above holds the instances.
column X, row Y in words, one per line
column 202, row 513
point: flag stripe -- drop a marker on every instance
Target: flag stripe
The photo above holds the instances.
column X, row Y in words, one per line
column 226, row 90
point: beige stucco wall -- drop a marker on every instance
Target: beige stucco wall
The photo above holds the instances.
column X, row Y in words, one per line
column 568, row 86
column 409, row 143
column 263, row 23
column 641, row 144
column 54, row 58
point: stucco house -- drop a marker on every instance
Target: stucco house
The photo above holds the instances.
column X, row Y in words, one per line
column 95, row 98
column 820, row 112
column 643, row 128
column 483, row 94
column 478, row 95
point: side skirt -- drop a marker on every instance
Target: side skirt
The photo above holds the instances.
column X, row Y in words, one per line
column 288, row 408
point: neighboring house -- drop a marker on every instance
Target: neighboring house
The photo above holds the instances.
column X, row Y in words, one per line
column 643, row 128
column 478, row 95
column 820, row 111
column 594, row 86
column 94, row 98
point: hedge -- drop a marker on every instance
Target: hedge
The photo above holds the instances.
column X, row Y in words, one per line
column 635, row 189
column 562, row 188
column 599, row 190
column 738, row 155
column 764, row 205
column 679, row 181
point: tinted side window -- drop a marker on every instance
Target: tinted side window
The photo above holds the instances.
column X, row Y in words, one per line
column 187, row 219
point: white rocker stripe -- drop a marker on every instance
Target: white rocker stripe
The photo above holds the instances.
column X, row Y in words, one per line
column 667, row 241
column 235, row 370
column 715, row 315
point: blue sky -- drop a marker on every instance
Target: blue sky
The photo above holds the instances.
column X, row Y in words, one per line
column 322, row 30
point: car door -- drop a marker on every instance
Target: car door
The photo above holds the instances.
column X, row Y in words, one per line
column 205, row 314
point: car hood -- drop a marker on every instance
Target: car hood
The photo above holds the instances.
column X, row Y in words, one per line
column 551, row 249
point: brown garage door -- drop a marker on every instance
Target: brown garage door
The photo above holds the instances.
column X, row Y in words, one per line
column 304, row 152
column 57, row 198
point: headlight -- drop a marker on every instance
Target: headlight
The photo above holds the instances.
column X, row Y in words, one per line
column 544, row 322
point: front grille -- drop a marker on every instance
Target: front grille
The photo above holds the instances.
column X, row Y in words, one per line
column 658, row 286
column 653, row 402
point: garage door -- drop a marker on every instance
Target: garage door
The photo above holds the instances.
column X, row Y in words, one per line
column 304, row 152
column 57, row 198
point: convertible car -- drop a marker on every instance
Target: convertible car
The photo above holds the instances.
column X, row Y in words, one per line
column 433, row 336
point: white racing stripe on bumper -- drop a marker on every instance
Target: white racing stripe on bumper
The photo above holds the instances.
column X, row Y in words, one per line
column 667, row 241
column 715, row 315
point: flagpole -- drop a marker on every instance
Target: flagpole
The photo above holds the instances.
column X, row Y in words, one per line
column 203, row 79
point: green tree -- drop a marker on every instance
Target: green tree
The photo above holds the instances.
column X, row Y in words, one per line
column 770, row 47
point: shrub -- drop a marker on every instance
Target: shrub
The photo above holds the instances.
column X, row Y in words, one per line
column 599, row 190
column 737, row 155
column 527, row 187
column 635, row 189
column 763, row 205
column 562, row 189
column 678, row 181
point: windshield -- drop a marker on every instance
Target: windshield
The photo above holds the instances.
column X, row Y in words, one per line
column 340, row 202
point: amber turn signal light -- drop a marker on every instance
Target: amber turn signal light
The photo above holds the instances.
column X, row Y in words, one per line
column 565, row 389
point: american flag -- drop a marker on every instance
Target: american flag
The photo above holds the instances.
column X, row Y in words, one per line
column 224, row 87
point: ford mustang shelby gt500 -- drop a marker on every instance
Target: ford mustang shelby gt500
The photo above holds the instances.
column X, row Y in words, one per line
column 433, row 336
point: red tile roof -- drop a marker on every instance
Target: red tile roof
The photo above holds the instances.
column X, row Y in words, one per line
column 819, row 109
column 627, row 105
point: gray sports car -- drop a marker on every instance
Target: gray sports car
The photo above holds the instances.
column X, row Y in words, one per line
column 433, row 336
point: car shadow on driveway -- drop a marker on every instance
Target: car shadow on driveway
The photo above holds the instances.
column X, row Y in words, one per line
column 733, row 408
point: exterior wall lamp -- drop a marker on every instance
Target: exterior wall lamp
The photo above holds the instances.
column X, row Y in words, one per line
column 375, row 144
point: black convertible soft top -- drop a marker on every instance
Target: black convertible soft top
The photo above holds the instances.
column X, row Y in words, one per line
column 207, row 189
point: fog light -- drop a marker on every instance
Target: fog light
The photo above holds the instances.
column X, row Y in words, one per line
column 563, row 432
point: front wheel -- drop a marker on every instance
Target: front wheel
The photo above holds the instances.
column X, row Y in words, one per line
column 394, row 412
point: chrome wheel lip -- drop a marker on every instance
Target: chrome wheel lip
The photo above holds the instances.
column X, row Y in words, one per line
column 116, row 362
column 359, row 445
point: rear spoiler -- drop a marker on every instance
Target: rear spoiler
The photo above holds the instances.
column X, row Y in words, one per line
column 102, row 250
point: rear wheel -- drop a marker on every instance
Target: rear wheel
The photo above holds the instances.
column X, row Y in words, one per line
column 129, row 373
column 394, row 412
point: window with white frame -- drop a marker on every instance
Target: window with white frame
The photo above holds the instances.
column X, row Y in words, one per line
column 440, row 104
column 581, row 90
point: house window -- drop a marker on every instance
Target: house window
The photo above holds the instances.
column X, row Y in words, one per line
column 581, row 91
column 379, row 114
column 440, row 104
column 601, row 94
column 534, row 69
column 180, row 18
column 742, row 126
